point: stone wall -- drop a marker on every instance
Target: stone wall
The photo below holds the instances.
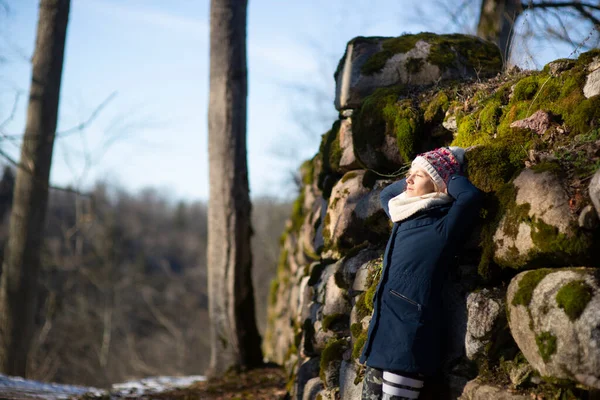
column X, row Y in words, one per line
column 523, row 301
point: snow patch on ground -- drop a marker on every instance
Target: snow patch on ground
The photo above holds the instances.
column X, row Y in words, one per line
column 16, row 388
column 155, row 384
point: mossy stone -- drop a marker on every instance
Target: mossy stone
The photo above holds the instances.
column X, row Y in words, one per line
column 492, row 165
column 445, row 51
column 273, row 289
column 527, row 285
column 334, row 321
column 359, row 344
column 333, row 351
column 574, row 297
column 382, row 114
column 546, row 343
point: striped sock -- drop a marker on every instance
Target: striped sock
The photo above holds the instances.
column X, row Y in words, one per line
column 401, row 386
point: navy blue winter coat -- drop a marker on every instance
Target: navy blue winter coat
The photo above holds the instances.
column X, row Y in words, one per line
column 405, row 329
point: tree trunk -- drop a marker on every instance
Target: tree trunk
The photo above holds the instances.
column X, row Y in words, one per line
column 496, row 23
column 18, row 287
column 235, row 341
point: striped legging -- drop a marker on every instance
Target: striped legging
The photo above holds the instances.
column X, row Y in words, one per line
column 385, row 385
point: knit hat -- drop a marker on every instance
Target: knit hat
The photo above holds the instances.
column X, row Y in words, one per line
column 440, row 163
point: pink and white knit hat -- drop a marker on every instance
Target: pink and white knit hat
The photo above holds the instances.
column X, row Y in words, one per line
column 440, row 163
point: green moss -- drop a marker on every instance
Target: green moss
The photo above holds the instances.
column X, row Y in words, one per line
column 376, row 62
column 546, row 343
column 369, row 295
column 467, row 134
column 383, row 114
column 333, row 351
column 330, row 154
column 362, row 310
column 436, row 108
column 514, row 218
column 356, row 329
column 527, row 285
column 585, row 116
column 297, row 216
column 526, row 88
column 349, row 175
column 407, row 126
column 307, row 170
column 563, row 248
column 479, row 55
column 573, row 298
column 548, row 166
column 413, row 65
column 334, row 319
column 273, row 292
column 491, row 166
column 490, row 116
column 359, row 344
column 588, row 57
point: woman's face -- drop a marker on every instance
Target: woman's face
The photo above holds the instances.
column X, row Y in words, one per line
column 418, row 183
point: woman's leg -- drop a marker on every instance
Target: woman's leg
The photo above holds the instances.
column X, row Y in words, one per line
column 400, row 385
column 384, row 385
column 372, row 384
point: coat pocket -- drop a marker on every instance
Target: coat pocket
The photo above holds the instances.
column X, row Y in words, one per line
column 406, row 299
column 404, row 308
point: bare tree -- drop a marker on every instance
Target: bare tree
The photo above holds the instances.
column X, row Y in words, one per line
column 18, row 287
column 235, row 340
column 499, row 21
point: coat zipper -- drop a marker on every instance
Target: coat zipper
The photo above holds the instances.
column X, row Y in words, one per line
column 403, row 297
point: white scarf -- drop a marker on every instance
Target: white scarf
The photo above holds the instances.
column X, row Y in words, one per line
column 402, row 207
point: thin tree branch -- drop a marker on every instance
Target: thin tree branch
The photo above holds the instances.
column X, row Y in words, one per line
column 588, row 15
column 12, row 112
column 558, row 4
column 81, row 126
column 92, row 117
column 53, row 187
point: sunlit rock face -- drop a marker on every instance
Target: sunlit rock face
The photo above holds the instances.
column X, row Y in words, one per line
column 532, row 146
column 554, row 317
column 376, row 62
column 540, row 223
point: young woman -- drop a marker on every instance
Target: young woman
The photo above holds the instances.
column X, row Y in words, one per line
column 432, row 210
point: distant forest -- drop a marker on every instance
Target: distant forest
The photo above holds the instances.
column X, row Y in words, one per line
column 124, row 283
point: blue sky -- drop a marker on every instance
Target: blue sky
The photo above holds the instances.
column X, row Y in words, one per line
column 154, row 55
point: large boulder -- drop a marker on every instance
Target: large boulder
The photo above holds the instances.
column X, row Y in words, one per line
column 554, row 317
column 375, row 62
column 354, row 214
column 540, row 224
